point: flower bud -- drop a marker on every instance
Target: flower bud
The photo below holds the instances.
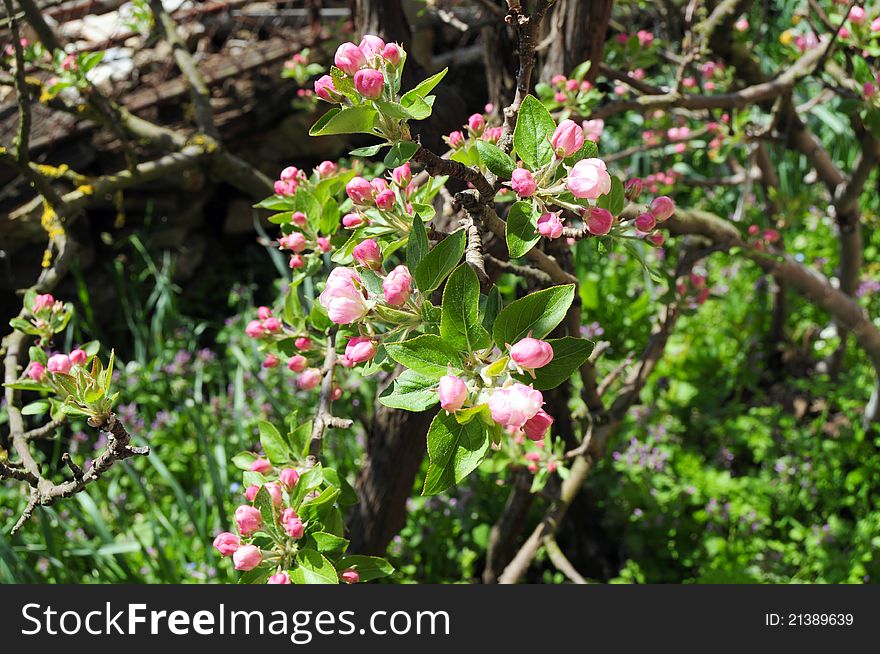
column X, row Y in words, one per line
column 456, row 140
column 589, row 178
column 349, row 58
column 372, row 45
column 59, row 363
column 536, row 426
column 324, row 244
column 367, row 254
column 309, row 379
column 531, row 353
column 303, row 343
column 453, row 393
column 254, row 329
column 550, row 225
column 78, row 357
column 227, row 543
column 294, row 528
column 360, row 191
column 261, row 465
column 271, row 361
column 350, row 576
column 476, row 123
column 360, row 349
column 296, row 261
column 274, row 491
column 397, row 286
column 369, row 83
column 402, row 175
column 632, row 189
column 392, row 53
column 567, row 139
column 297, row 363
column 344, row 302
column 646, row 223
column 385, row 199
column 247, row 557
column 279, row 578
column 523, row 183
column 289, row 477
column 662, row 208
column 264, row 312
column 248, row 519
column 353, row 220
column 36, row 371
column 44, row 301
column 511, row 407
column 599, row 221
column 325, row 89
column 251, row 492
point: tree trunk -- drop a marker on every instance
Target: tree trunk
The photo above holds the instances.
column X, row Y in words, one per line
column 577, row 33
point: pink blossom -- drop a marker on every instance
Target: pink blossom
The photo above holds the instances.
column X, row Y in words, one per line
column 359, row 190
column 662, row 208
column 299, row 219
column 59, row 363
column 599, row 221
column 247, row 557
column 557, row 80
column 453, row 393
column 589, row 178
column 875, row 24
column 272, row 325
column 294, row 528
column 371, row 45
column 645, row 37
column 297, row 363
column 353, row 220
column 360, row 349
column 325, row 90
column 392, row 54
column 476, row 123
column 285, row 188
column 369, row 83
column 327, row 168
column 248, row 519
column 368, row 254
column 550, row 225
column 645, row 222
column 632, row 189
column 397, row 286
column 511, row 407
column 251, row 492
column 36, row 371
column 279, row 578
column 593, row 129
column 254, row 329
column 296, row 261
column 271, row 361
column 78, row 357
column 531, row 353
column 536, row 426
column 350, row 576
column 289, row 477
column 227, row 543
column 274, row 491
column 385, row 199
column 402, row 175
column 857, row 15
column 264, row 312
column 309, row 379
column 741, row 25
column 523, row 183
column 456, row 139
column 324, row 244
column 560, row 97
column 349, row 58
column 344, row 301
column 567, row 139
column 294, row 241
column 261, row 466
column 44, row 301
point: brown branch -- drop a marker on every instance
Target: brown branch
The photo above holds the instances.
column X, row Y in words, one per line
column 323, row 416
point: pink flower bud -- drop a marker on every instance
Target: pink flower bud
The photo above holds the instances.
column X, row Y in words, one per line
column 297, row 363
column 324, row 244
column 78, row 357
column 558, row 80
column 536, row 426
column 857, row 15
column 289, row 174
column 349, row 58
column 299, row 219
column 275, row 493
column 531, row 353
column 227, row 543
column 372, row 45
column 59, row 363
column 523, row 183
column 272, row 325
column 656, row 239
column 360, row 349
column 350, row 576
column 645, row 38
column 296, row 261
column 344, row 302
column 397, row 286
column 294, row 241
column 309, row 379
column 247, row 557
column 453, row 393
column 632, row 189
column 44, row 301
column 261, row 466
column 646, row 223
column 385, row 199
column 254, row 329
column 741, row 25
column 289, row 477
column 360, row 191
column 248, row 519
column 560, row 97
column 264, row 312
column 279, row 578
column 251, row 492
column 402, row 175
column 391, row 53
column 599, row 221
column 368, row 254
column 456, row 139
column 353, row 220
column 303, row 343
column 327, row 168
column 271, row 361
column 511, row 407
column 325, row 89
column 662, row 208
column 550, row 225
column 335, row 393
column 476, row 123
column 294, row 528
column 875, row 25
column 36, row 371
column 369, row 83
column 593, row 128
column 567, row 139
column 285, row 188
column 493, row 134
column 589, row 178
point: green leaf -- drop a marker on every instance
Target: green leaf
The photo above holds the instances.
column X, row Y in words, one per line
column 367, row 151
column 439, row 262
column 263, row 503
column 36, row 408
column 411, row 391
column 491, row 307
column 495, row 159
column 392, row 110
column 325, row 542
column 531, row 136
column 428, row 355
column 424, row 87
column 536, row 314
column 299, row 439
column 522, row 229
column 569, row 354
column 368, row 567
column 588, row 150
column 347, row 494
column 400, row 153
column 418, row 108
column 273, row 443
column 351, row 120
column 313, row 568
column 417, row 245
column 454, row 450
column 460, row 318
column 276, row 203
column 614, row 200
column 243, row 460
column 28, row 385
column 313, row 511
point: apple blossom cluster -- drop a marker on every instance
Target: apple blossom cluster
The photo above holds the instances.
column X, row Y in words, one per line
column 478, row 127
column 380, row 203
